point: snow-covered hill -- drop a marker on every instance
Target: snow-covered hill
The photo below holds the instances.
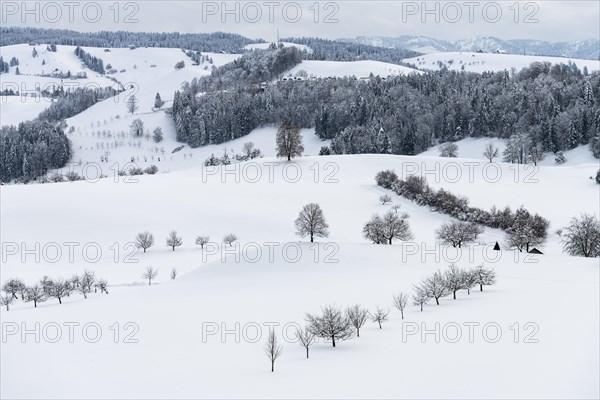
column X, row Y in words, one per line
column 359, row 69
column 585, row 49
column 557, row 359
column 263, row 46
column 482, row 62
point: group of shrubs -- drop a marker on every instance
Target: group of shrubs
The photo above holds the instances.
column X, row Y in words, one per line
column 250, row 153
column 46, row 288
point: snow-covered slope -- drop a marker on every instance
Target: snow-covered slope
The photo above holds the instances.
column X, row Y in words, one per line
column 262, row 46
column 481, row 62
column 177, row 355
column 360, row 69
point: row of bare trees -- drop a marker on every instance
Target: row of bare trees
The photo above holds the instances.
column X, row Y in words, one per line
column 145, row 240
column 336, row 325
column 47, row 288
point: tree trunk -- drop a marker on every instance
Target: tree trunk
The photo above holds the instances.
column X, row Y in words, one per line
column 421, row 306
column 35, row 303
column 173, row 248
column 469, row 291
column 480, row 287
column 402, row 313
column 333, row 340
column 59, row 301
column 311, row 238
column 144, row 249
column 437, row 301
column 307, row 352
column 289, row 157
column 379, row 324
column 390, row 240
column 454, row 294
column 273, row 366
column 528, row 247
column 357, row 332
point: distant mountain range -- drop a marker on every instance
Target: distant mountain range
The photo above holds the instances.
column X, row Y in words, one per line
column 586, row 49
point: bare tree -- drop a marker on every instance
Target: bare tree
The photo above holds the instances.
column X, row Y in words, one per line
column 247, row 148
column 7, row 299
column 331, row 324
column 272, row 349
column 173, row 274
column 582, row 236
column 36, row 294
column 132, row 104
column 289, row 141
column 306, row 338
column 420, row 296
column 400, row 302
column 490, row 152
column 229, row 239
column 75, row 281
column 84, row 290
column 12, row 287
column 385, row 198
column 87, row 280
column 454, row 279
column 536, row 154
column 457, row 233
column 469, row 280
column 435, row 287
column 144, row 241
column 358, row 316
column 150, row 274
column 311, row 222
column 59, row 289
column 103, row 286
column 173, row 240
column 379, row 316
column 483, row 276
column 396, row 227
column 448, row 150
column 201, row 241
column 137, row 128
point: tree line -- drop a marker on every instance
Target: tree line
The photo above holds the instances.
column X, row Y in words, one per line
column 335, row 324
column 208, row 42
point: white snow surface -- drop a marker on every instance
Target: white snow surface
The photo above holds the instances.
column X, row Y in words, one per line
column 483, row 62
column 554, row 356
column 359, row 69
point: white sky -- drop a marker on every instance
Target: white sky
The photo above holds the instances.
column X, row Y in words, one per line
column 549, row 20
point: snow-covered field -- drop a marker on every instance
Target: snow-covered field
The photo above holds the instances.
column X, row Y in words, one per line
column 482, row 62
column 177, row 356
column 360, row 69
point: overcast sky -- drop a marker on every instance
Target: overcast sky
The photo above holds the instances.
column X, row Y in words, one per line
column 542, row 20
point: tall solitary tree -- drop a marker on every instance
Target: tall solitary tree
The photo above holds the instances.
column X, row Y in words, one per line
column 289, row 141
column 311, row 222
